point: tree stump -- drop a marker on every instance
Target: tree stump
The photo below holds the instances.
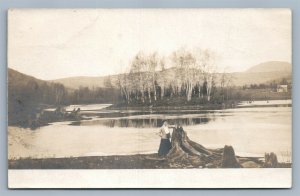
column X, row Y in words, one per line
column 229, row 160
column 185, row 150
column 270, row 160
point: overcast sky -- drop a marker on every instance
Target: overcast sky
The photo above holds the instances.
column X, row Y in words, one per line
column 51, row 44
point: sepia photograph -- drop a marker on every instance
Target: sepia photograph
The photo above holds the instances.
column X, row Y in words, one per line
column 177, row 93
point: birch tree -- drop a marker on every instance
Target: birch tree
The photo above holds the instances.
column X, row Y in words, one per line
column 153, row 62
column 124, row 86
column 197, row 52
column 162, row 80
column 209, row 70
column 186, row 66
column 138, row 69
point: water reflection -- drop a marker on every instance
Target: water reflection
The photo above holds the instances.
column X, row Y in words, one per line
column 127, row 113
column 149, row 118
column 251, row 131
column 145, row 122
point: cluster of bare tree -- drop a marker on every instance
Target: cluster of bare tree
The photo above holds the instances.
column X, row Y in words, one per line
column 142, row 77
column 191, row 71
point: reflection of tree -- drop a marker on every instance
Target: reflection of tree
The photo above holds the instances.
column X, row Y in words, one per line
column 152, row 122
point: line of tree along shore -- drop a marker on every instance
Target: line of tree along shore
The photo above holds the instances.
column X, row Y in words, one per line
column 190, row 79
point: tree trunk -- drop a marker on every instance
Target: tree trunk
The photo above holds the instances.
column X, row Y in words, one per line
column 189, row 91
column 162, row 92
column 208, row 94
column 209, row 82
column 149, row 95
column 155, row 99
column 143, row 96
column 154, row 88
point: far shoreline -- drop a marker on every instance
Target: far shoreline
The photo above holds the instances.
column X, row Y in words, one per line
column 207, row 106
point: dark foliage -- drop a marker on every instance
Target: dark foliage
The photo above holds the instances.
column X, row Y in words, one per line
column 28, row 96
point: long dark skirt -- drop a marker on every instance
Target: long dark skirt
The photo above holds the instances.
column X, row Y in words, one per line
column 164, row 147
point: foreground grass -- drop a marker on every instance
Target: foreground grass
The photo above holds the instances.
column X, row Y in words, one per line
column 151, row 161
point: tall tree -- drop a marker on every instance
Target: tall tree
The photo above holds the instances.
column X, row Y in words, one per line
column 153, row 61
column 162, row 80
column 137, row 70
column 185, row 64
column 124, row 85
column 197, row 52
column 209, row 67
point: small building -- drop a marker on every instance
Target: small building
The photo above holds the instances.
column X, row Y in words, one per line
column 282, row 88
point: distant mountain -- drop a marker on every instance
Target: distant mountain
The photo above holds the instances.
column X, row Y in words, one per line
column 264, row 73
column 245, row 78
column 271, row 66
column 261, row 73
column 101, row 81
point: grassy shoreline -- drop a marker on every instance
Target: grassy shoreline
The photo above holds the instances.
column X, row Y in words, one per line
column 138, row 161
column 202, row 103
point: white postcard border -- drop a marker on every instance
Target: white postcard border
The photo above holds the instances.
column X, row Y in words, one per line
column 152, row 178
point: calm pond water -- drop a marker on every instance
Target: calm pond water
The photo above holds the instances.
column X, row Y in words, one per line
column 252, row 129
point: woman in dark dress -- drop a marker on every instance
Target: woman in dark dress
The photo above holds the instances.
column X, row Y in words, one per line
column 165, row 144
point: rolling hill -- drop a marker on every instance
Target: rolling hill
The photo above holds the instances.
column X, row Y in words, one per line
column 18, row 79
column 271, row 66
column 85, row 81
column 261, row 73
column 25, row 96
